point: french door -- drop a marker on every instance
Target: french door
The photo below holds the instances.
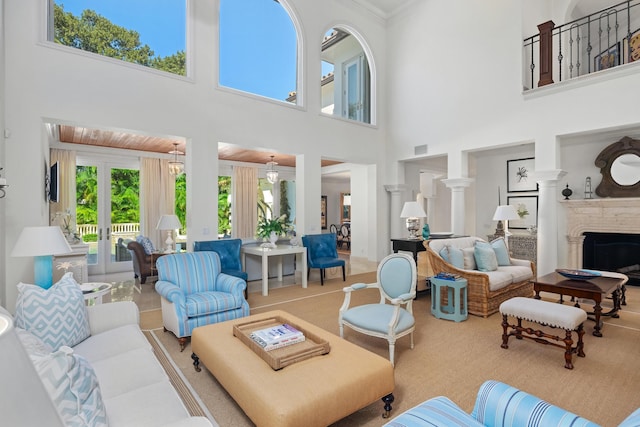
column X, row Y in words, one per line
column 355, row 95
column 107, row 211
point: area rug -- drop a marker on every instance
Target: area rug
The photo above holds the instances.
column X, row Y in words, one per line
column 189, row 397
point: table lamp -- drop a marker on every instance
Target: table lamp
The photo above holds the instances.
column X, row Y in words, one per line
column 23, row 399
column 412, row 211
column 42, row 243
column 169, row 223
column 504, row 213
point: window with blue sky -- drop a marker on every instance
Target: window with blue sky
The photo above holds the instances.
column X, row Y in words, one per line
column 145, row 32
column 258, row 48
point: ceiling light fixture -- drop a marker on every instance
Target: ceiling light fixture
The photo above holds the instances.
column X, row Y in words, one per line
column 176, row 167
column 272, row 173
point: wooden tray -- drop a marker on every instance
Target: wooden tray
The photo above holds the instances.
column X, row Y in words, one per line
column 313, row 345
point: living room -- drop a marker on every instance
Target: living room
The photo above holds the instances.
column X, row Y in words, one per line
column 452, row 86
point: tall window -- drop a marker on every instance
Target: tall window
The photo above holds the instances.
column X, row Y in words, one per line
column 258, row 48
column 145, row 32
column 346, row 77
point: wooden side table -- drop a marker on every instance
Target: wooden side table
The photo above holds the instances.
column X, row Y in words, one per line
column 410, row 245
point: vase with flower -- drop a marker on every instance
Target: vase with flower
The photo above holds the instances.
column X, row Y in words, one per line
column 271, row 229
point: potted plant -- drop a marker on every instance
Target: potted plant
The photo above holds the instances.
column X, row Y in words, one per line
column 271, row 229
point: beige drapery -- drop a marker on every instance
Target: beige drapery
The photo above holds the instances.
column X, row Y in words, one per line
column 66, row 160
column 244, row 207
column 157, row 197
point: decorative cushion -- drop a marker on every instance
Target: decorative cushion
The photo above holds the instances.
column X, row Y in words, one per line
column 32, row 344
column 146, row 244
column 502, row 253
column 444, row 254
column 56, row 315
column 456, row 257
column 73, row 386
column 469, row 259
column 485, row 258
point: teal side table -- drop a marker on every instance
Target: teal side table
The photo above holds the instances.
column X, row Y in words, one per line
column 456, row 292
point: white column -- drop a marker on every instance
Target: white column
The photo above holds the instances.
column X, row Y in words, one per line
column 458, row 209
column 396, row 225
column 548, row 220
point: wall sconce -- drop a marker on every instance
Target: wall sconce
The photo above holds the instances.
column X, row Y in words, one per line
column 3, row 185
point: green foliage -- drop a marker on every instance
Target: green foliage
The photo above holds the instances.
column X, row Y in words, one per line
column 86, row 195
column 284, row 200
column 125, row 200
column 94, row 33
column 90, row 238
column 280, row 226
column 224, row 207
column 181, row 201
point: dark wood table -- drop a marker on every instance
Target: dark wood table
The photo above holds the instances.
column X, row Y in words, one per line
column 410, row 245
column 593, row 289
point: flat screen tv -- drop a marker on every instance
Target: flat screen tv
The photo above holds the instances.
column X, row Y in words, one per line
column 54, row 183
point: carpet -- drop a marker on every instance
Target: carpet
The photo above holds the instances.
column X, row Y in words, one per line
column 453, row 359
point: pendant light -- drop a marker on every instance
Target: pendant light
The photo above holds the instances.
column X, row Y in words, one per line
column 176, row 167
column 272, row 173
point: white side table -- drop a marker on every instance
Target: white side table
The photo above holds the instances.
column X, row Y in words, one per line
column 278, row 251
column 94, row 291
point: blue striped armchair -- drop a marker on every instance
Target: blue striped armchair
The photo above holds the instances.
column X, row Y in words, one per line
column 195, row 293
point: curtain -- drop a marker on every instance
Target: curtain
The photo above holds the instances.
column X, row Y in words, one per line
column 244, row 207
column 66, row 160
column 157, row 197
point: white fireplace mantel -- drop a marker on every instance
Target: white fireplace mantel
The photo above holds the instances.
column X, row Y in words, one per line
column 619, row 215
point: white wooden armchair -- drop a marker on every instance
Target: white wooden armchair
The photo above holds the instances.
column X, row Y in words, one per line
column 397, row 284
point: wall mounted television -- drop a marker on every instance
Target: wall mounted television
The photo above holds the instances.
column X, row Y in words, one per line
column 54, row 183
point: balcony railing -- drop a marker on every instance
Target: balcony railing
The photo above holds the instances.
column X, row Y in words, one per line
column 596, row 42
column 130, row 229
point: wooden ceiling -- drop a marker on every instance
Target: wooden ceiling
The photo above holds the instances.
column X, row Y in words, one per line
column 128, row 141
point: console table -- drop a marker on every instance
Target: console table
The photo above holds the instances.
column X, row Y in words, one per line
column 410, row 245
column 280, row 250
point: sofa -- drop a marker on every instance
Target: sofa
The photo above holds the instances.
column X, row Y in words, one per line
column 134, row 388
column 486, row 290
column 497, row 405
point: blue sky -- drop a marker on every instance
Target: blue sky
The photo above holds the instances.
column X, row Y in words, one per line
column 258, row 43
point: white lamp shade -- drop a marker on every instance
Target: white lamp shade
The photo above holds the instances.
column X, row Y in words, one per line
column 168, row 222
column 23, row 398
column 505, row 212
column 39, row 241
column 412, row 210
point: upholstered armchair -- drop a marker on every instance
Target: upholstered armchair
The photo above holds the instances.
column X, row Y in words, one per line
column 322, row 253
column 195, row 293
column 142, row 262
column 229, row 252
column 397, row 277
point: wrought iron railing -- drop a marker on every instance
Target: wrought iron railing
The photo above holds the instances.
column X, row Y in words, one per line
column 596, row 42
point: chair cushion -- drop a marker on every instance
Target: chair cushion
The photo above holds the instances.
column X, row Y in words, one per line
column 57, row 315
column 236, row 273
column 375, row 317
column 326, row 262
column 203, row 303
column 439, row 411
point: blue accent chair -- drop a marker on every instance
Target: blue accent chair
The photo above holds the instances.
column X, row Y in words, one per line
column 195, row 293
column 322, row 253
column 229, row 252
column 397, row 278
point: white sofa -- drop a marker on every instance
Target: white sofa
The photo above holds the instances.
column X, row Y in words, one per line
column 486, row 290
column 135, row 389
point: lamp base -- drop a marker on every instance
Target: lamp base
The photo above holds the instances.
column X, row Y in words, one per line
column 169, row 243
column 499, row 229
column 413, row 226
column 43, row 271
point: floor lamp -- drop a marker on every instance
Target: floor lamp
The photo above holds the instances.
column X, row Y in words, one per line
column 42, row 243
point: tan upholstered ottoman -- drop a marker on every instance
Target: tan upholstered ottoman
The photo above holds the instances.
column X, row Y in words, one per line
column 313, row 392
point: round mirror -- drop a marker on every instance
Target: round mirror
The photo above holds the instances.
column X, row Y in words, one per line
column 625, row 170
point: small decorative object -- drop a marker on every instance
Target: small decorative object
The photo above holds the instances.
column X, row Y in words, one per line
column 272, row 229
column 66, row 223
column 567, row 192
column 588, row 194
column 412, row 211
column 578, row 274
column 532, row 229
column 425, row 231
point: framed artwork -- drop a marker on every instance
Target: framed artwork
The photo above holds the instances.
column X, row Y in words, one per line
column 527, row 208
column 345, row 207
column 631, row 51
column 323, row 212
column 519, row 175
column 607, row 59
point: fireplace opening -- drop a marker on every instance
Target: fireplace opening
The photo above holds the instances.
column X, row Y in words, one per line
column 612, row 252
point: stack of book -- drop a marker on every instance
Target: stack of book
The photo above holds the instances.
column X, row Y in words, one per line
column 278, row 336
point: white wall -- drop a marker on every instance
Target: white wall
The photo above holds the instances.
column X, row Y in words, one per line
column 47, row 83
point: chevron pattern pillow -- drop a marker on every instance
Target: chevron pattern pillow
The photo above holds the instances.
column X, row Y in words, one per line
column 73, row 386
column 56, row 315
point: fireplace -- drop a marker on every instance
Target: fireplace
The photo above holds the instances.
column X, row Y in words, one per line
column 611, row 252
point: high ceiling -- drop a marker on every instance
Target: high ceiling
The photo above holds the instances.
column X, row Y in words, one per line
column 129, row 141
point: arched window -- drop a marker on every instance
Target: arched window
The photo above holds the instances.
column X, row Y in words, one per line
column 123, row 29
column 258, row 49
column 346, row 77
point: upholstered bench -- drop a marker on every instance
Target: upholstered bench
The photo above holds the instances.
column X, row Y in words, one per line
column 547, row 314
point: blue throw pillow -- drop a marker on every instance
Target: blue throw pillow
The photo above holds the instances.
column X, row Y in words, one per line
column 502, row 253
column 485, row 257
column 146, row 244
column 444, row 254
column 456, row 257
